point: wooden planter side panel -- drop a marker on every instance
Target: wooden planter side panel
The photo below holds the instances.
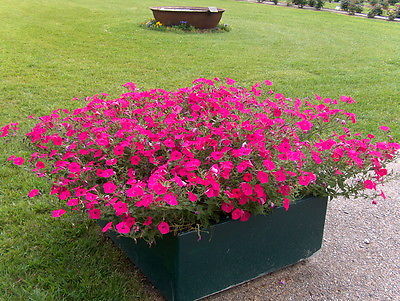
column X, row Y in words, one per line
column 185, row 268
column 235, row 252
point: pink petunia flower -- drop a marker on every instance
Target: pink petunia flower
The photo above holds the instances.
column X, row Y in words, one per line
column 368, row 184
column 279, row 175
column 304, row 125
column 192, row 197
column 286, row 204
column 18, row 160
column 246, row 188
column 94, row 213
column 73, row 202
column 226, row 207
column 58, row 213
column 237, row 213
column 170, row 199
column 123, row 228
column 163, row 227
column 33, row 193
column 107, row 227
column 262, row 177
column 269, row 165
column 105, row 173
column 109, row 187
column 148, row 221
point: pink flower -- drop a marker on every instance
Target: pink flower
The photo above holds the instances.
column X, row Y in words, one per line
column 259, row 190
column 192, row 164
column 94, row 213
column 347, row 99
column 304, row 125
column 74, row 167
column 262, row 177
column 91, row 196
column 33, row 193
column 111, row 162
column 384, row 128
column 18, row 161
column 284, row 190
column 119, row 150
column 148, row 221
column 279, row 175
column 107, row 227
column 368, row 184
column 105, row 173
column 243, row 151
column 381, row 172
column 217, row 155
column 170, row 199
column 58, row 213
column 175, row 155
column 245, row 216
column 134, row 191
column 286, row 204
column 226, row 207
column 163, row 227
column 73, row 202
column 192, row 197
column 246, row 188
column 230, row 81
column 269, row 165
column 135, row 160
column 307, row 178
column 242, row 166
column 39, row 165
column 123, row 228
column 120, row 208
column 109, row 187
column 145, row 201
column 130, row 86
column 237, row 213
column 63, row 195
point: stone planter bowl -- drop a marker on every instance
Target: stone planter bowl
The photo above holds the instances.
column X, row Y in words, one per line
column 199, row 17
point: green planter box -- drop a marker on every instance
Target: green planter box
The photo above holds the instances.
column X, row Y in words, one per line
column 185, row 268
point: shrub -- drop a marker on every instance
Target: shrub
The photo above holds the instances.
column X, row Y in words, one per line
column 319, row 4
column 352, row 6
column 299, row 3
column 158, row 161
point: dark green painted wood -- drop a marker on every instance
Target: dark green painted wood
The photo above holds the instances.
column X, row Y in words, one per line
column 185, row 268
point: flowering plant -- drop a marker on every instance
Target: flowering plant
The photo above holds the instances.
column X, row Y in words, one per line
column 183, row 26
column 158, row 161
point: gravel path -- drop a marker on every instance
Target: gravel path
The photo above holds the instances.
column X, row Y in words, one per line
column 359, row 259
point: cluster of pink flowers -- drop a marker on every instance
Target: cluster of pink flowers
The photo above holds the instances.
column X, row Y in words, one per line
column 151, row 162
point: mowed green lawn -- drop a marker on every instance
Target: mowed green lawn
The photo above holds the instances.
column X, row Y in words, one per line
column 53, row 50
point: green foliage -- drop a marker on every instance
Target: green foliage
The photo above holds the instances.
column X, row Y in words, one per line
column 183, row 26
column 299, row 3
column 319, row 4
column 352, row 6
column 393, row 13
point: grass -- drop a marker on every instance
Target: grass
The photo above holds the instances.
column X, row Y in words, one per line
column 55, row 50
